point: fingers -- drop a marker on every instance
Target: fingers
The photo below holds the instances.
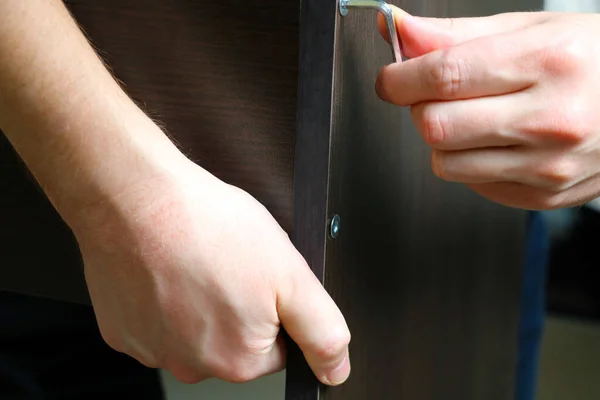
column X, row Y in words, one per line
column 421, row 35
column 274, row 360
column 517, row 195
column 488, row 66
column 551, row 170
column 473, row 123
column 233, row 360
column 315, row 323
column 258, row 365
column 489, row 165
column 186, row 374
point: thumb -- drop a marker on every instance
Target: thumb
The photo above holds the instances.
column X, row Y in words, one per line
column 312, row 320
column 421, row 35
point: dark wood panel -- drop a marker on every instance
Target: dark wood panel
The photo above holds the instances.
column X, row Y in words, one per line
column 221, row 76
column 311, row 166
column 427, row 273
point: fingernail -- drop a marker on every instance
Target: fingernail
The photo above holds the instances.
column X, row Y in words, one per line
column 379, row 89
column 340, row 373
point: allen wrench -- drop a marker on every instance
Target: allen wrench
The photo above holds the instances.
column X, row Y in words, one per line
column 388, row 14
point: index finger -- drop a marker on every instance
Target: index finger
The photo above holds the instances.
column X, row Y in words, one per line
column 486, row 66
column 421, row 35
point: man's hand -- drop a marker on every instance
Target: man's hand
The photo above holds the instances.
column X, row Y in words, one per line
column 193, row 275
column 508, row 103
column 185, row 272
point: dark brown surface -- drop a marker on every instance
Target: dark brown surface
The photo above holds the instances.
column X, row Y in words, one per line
column 312, row 162
column 221, row 76
column 427, row 273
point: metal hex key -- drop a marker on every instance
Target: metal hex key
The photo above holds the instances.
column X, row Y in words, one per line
column 388, row 14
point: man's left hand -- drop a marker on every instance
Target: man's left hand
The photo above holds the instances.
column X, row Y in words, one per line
column 508, row 103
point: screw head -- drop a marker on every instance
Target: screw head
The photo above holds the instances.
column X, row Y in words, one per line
column 343, row 5
column 334, row 226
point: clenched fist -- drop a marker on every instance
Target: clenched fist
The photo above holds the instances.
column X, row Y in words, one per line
column 508, row 103
column 185, row 272
column 193, row 275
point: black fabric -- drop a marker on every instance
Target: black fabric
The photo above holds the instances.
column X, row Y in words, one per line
column 51, row 350
column 574, row 276
column 38, row 252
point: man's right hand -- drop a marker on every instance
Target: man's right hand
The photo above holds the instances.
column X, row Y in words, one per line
column 185, row 272
column 195, row 276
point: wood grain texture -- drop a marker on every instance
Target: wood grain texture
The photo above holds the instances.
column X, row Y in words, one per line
column 427, row 273
column 311, row 179
column 220, row 76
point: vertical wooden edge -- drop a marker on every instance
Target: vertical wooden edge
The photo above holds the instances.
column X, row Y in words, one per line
column 311, row 163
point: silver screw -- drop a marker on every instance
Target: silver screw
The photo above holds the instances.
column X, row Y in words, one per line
column 334, row 226
column 344, row 7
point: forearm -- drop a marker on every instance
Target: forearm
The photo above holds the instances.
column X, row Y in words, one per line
column 80, row 135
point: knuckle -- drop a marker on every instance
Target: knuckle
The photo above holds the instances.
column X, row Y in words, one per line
column 576, row 121
column 567, row 198
column 257, row 347
column 332, row 347
column 240, row 373
column 448, row 75
column 149, row 361
column 551, row 201
column 568, row 122
column 571, row 124
column 233, row 368
column 183, row 373
column 189, row 378
column 148, row 358
column 213, row 363
column 119, row 344
column 238, row 359
column 437, row 166
column 436, row 126
column 565, row 56
column 384, row 86
column 575, row 52
column 113, row 339
column 558, row 174
column 236, row 370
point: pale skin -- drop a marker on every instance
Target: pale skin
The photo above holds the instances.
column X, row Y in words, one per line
column 190, row 274
column 185, row 272
column 508, row 103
